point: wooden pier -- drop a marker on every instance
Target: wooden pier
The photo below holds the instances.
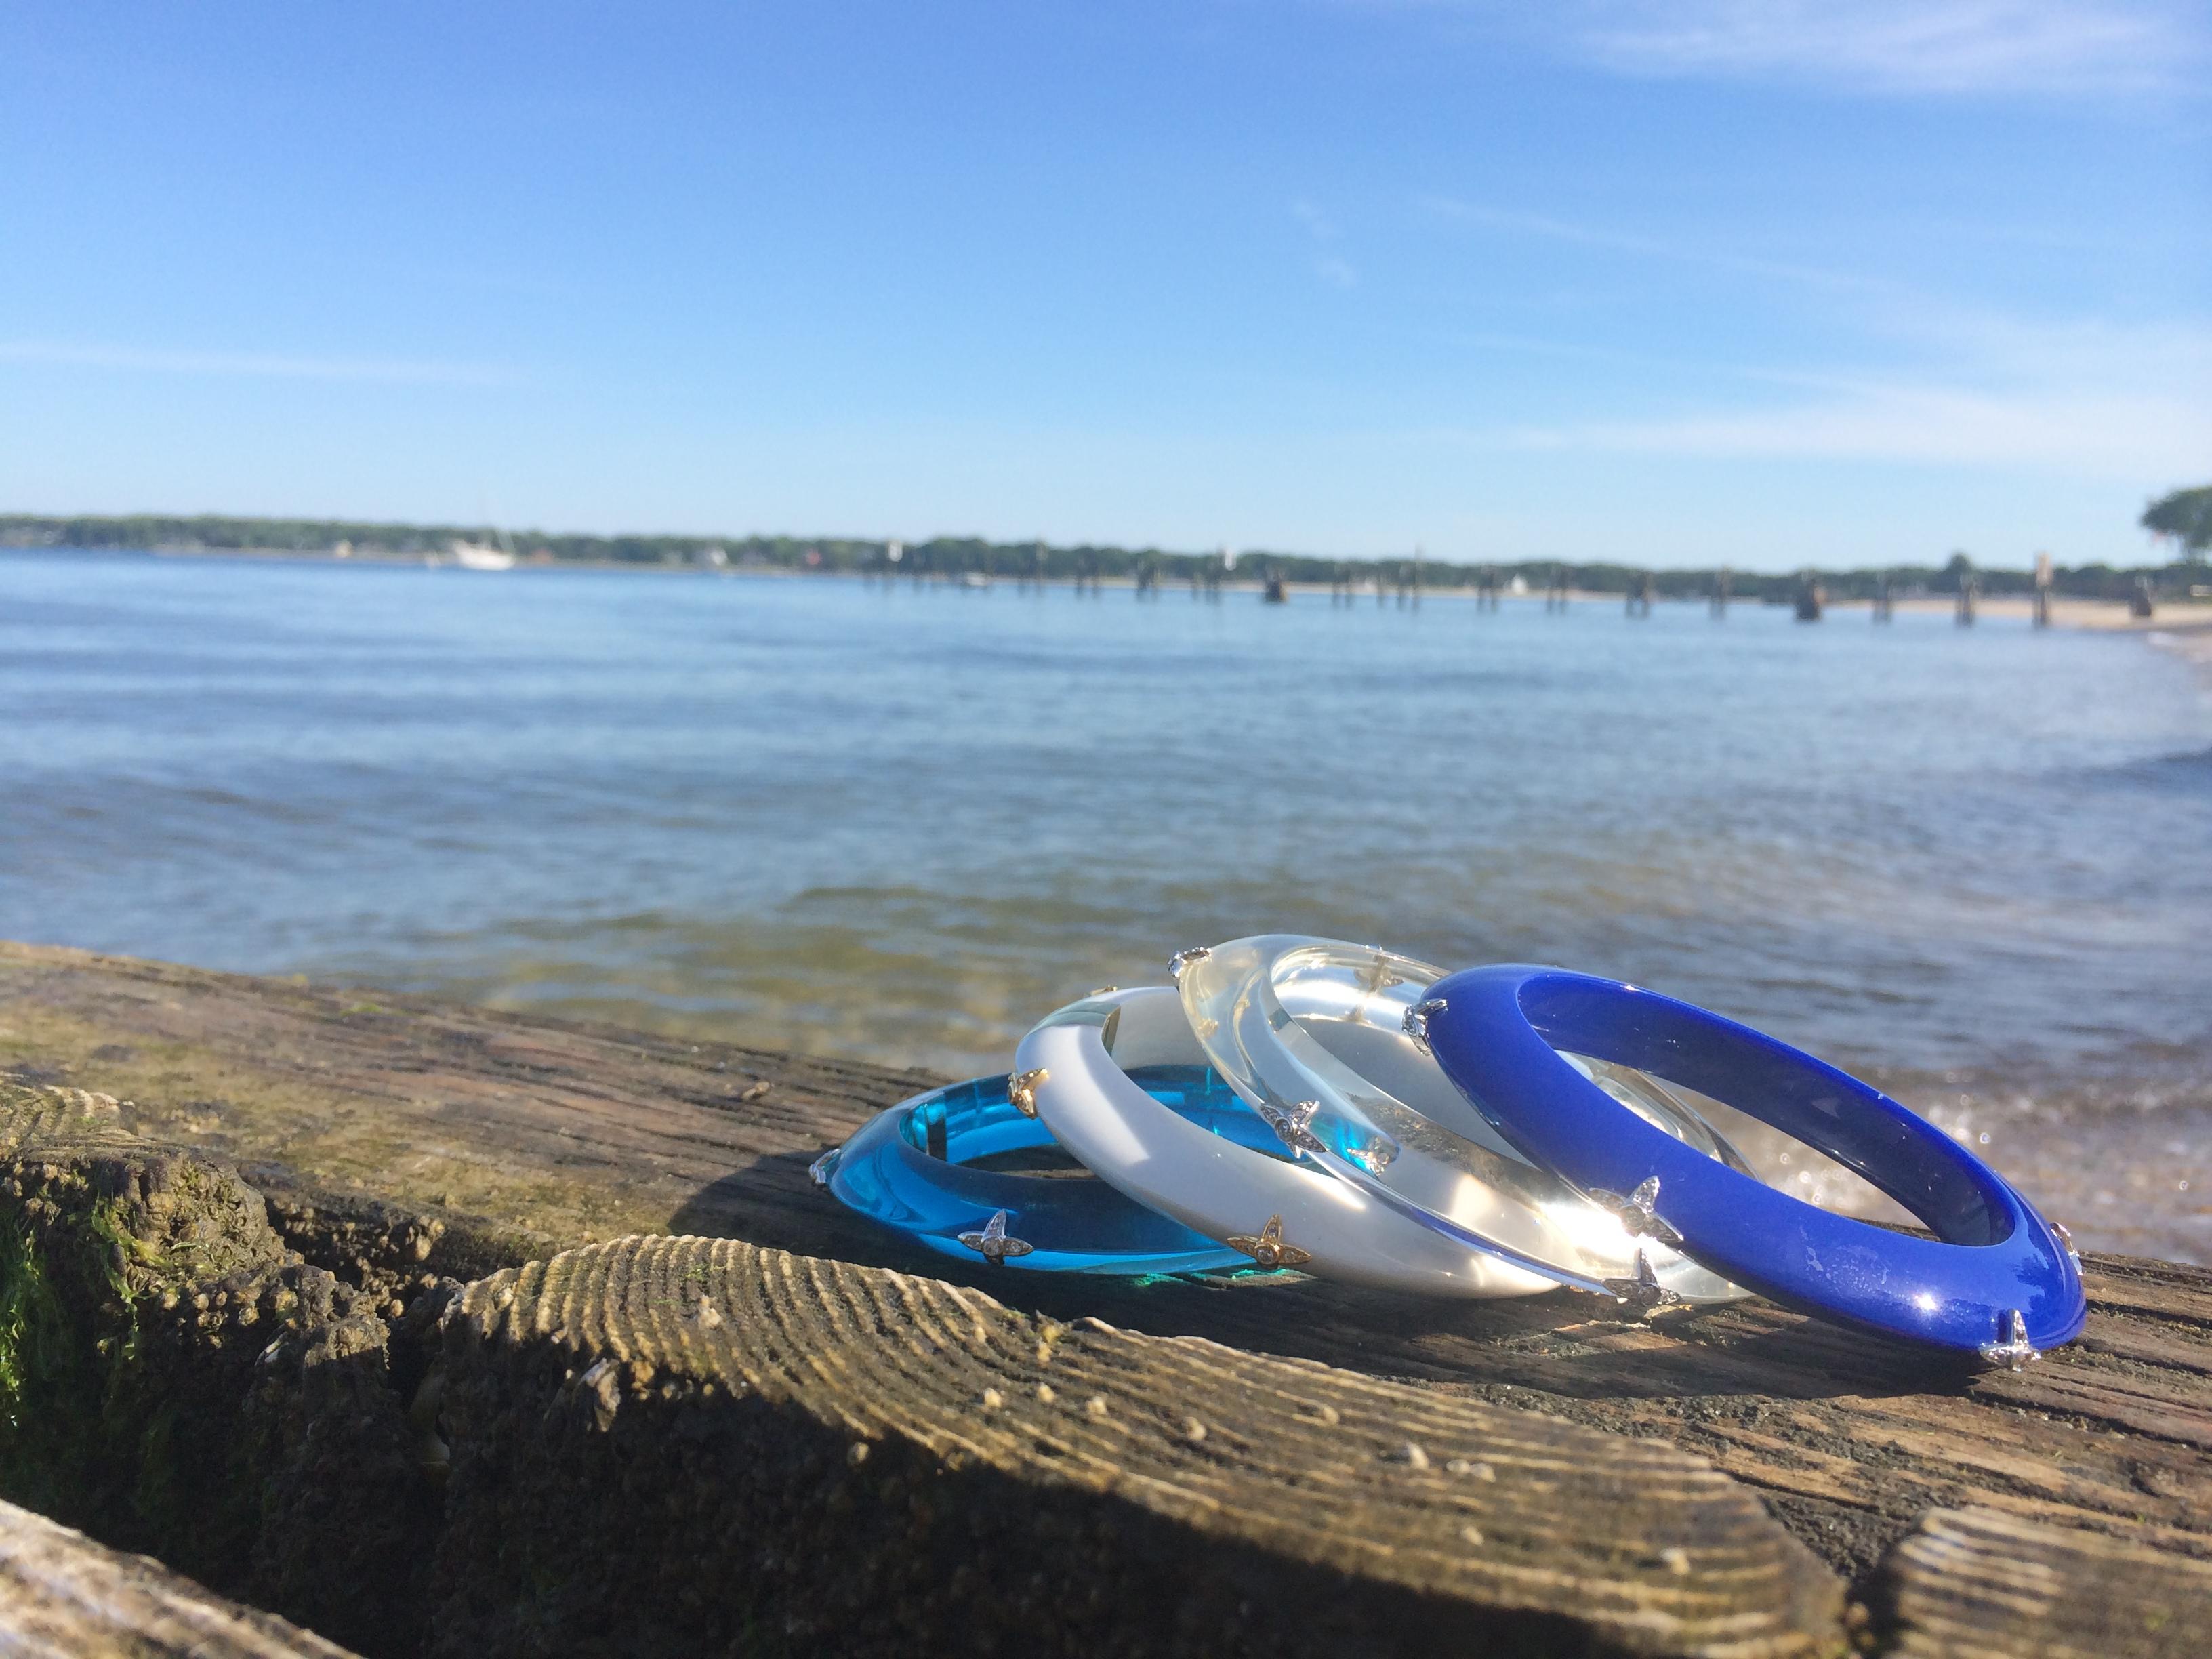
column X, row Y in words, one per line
column 683, row 1399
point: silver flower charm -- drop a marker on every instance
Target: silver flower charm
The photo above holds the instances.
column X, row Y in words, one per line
column 993, row 1243
column 1416, row 1022
column 1290, row 1124
column 1378, row 975
column 2067, row 1239
column 1636, row 1212
column 2015, row 1350
column 1644, row 1293
column 1182, row 959
column 1270, row 1249
column 1374, row 1157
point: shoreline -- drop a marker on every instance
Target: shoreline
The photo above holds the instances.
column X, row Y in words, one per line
column 2185, row 618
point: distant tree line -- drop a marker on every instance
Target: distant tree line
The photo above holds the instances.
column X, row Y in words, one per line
column 2184, row 516
column 2187, row 516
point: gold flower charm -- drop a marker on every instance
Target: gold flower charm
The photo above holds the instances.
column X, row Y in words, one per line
column 1270, row 1249
column 992, row 1244
column 1021, row 1088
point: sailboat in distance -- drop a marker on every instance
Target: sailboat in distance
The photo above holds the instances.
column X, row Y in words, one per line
column 481, row 555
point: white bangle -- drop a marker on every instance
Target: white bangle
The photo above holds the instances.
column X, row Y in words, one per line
column 1313, row 1035
column 1280, row 1212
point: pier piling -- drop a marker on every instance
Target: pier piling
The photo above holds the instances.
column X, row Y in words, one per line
column 1812, row 597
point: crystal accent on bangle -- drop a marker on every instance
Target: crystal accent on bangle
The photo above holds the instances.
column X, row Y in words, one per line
column 1182, row 959
column 818, row 1171
column 2067, row 1239
column 1376, row 1156
column 2013, row 1352
column 1416, row 1022
column 1270, row 1249
column 1021, row 1090
column 1635, row 1212
column 1291, row 1125
column 993, row 1243
column 1644, row 1293
column 1377, row 976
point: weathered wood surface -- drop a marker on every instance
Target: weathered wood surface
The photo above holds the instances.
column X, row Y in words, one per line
column 174, row 1379
column 667, row 1445
column 1975, row 1584
column 63, row 1596
column 518, row 1134
column 887, row 1464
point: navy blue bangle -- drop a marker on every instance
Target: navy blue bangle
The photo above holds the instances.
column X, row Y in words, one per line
column 1997, row 1280
column 914, row 1168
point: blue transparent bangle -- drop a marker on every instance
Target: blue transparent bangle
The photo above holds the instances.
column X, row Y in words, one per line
column 1998, row 1280
column 915, row 1168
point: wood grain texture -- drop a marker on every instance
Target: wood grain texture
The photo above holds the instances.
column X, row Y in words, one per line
column 1978, row 1584
column 902, row 1465
column 520, row 1134
column 63, row 1596
column 173, row 1380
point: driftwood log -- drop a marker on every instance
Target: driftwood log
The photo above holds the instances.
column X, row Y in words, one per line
column 63, row 1596
column 402, row 1144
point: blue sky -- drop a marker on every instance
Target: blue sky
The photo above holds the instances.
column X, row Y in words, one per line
column 1677, row 283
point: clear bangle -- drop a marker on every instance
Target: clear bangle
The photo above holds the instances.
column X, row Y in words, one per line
column 1313, row 1033
column 1233, row 1179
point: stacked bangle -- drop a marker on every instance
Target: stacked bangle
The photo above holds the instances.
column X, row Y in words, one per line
column 1310, row 1033
column 1297, row 1102
column 1229, row 1180
column 915, row 1168
column 1997, row 1279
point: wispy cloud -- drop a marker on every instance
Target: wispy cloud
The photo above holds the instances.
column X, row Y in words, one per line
column 2068, row 48
column 2120, row 435
column 1960, row 384
column 2081, row 399
column 1936, row 46
column 1562, row 230
column 1333, row 268
column 145, row 360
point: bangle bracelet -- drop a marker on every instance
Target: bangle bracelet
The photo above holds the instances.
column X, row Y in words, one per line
column 1229, row 1180
column 915, row 1168
column 1310, row 1033
column 1997, row 1280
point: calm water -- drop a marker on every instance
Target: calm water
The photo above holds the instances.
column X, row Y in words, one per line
column 905, row 823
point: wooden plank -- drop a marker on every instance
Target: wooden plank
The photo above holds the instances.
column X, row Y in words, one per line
column 1976, row 1584
column 63, row 1596
column 673, row 1438
column 891, row 1461
column 517, row 1134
